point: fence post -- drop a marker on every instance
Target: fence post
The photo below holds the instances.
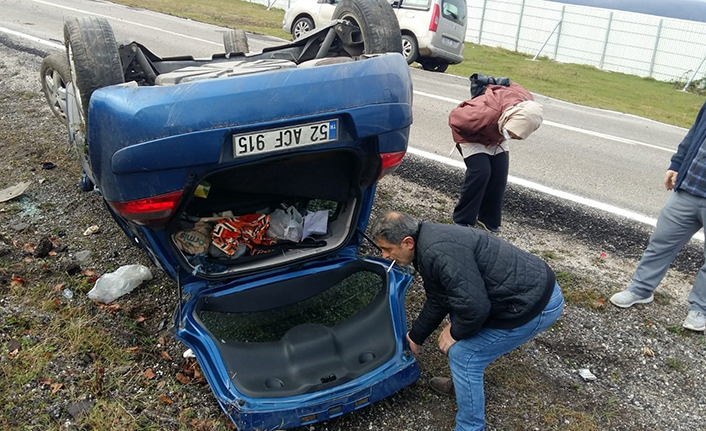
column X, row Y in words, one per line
column 605, row 42
column 694, row 74
column 546, row 41
column 519, row 25
column 558, row 34
column 482, row 19
column 654, row 51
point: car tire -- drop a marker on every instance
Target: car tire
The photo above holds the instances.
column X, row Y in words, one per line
column 55, row 73
column 377, row 23
column 93, row 56
column 236, row 41
column 410, row 49
column 301, row 26
column 434, row 66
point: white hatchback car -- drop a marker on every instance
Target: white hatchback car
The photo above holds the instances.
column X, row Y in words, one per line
column 433, row 31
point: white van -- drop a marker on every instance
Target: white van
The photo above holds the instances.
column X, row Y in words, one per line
column 433, row 31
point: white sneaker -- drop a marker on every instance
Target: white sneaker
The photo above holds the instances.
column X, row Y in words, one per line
column 695, row 320
column 627, row 299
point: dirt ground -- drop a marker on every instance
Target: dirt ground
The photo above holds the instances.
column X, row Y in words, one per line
column 69, row 363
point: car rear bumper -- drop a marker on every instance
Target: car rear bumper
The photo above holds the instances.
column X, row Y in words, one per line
column 316, row 411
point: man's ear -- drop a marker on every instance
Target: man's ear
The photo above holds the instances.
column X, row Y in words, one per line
column 408, row 242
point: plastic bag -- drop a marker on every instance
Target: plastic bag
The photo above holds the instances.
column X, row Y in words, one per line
column 113, row 285
column 286, row 224
column 315, row 223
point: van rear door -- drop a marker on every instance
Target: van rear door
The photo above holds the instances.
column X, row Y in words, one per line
column 451, row 31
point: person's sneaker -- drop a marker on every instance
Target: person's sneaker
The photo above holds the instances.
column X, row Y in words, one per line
column 695, row 320
column 487, row 228
column 627, row 299
column 442, row 386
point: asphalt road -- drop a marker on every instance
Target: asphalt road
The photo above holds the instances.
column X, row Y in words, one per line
column 612, row 161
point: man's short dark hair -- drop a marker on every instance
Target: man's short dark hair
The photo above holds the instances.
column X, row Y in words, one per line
column 394, row 226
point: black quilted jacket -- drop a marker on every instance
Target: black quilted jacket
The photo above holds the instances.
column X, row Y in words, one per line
column 478, row 279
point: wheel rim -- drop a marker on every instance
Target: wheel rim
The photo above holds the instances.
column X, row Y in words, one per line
column 300, row 28
column 406, row 48
column 55, row 91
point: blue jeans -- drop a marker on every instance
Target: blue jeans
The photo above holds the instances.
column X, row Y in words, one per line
column 468, row 359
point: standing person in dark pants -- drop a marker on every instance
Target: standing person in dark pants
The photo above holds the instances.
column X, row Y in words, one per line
column 482, row 128
column 497, row 297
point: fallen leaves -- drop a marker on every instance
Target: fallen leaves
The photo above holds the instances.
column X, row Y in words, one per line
column 112, row 308
column 149, row 374
column 648, row 352
column 190, row 373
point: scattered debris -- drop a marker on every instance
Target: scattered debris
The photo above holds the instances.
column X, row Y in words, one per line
column 13, row 346
column 648, row 352
column 43, row 248
column 73, row 268
column 13, row 191
column 92, row 230
column 188, row 353
column 112, row 286
column 586, row 375
column 76, row 410
column 19, row 227
column 82, row 255
column 67, row 293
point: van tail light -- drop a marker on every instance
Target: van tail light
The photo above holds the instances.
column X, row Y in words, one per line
column 434, row 24
column 152, row 211
column 390, row 162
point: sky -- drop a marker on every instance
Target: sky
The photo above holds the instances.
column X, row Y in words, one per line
column 693, row 10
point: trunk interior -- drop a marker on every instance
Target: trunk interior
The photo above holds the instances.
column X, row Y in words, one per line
column 218, row 236
column 303, row 334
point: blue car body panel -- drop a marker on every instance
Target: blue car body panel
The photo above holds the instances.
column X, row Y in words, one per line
column 151, row 139
column 148, row 141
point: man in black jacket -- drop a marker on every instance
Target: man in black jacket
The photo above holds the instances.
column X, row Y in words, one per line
column 496, row 295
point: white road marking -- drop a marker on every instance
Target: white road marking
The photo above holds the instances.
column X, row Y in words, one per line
column 32, row 38
column 630, row 215
column 544, row 189
column 127, row 22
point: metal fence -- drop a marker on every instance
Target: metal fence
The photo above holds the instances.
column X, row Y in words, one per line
column 665, row 49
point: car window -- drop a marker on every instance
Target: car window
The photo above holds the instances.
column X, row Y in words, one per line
column 455, row 10
column 415, row 4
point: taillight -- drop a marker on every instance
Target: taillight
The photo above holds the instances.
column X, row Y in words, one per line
column 434, row 24
column 390, row 162
column 150, row 211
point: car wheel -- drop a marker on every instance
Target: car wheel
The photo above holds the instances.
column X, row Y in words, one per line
column 236, row 41
column 93, row 57
column 55, row 74
column 377, row 23
column 434, row 66
column 409, row 48
column 301, row 26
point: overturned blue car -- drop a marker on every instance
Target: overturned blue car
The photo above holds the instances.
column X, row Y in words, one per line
column 249, row 179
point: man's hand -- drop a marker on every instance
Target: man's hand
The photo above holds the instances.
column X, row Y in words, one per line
column 446, row 340
column 414, row 347
column 670, row 179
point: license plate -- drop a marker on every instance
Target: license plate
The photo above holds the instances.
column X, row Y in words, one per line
column 448, row 42
column 285, row 138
